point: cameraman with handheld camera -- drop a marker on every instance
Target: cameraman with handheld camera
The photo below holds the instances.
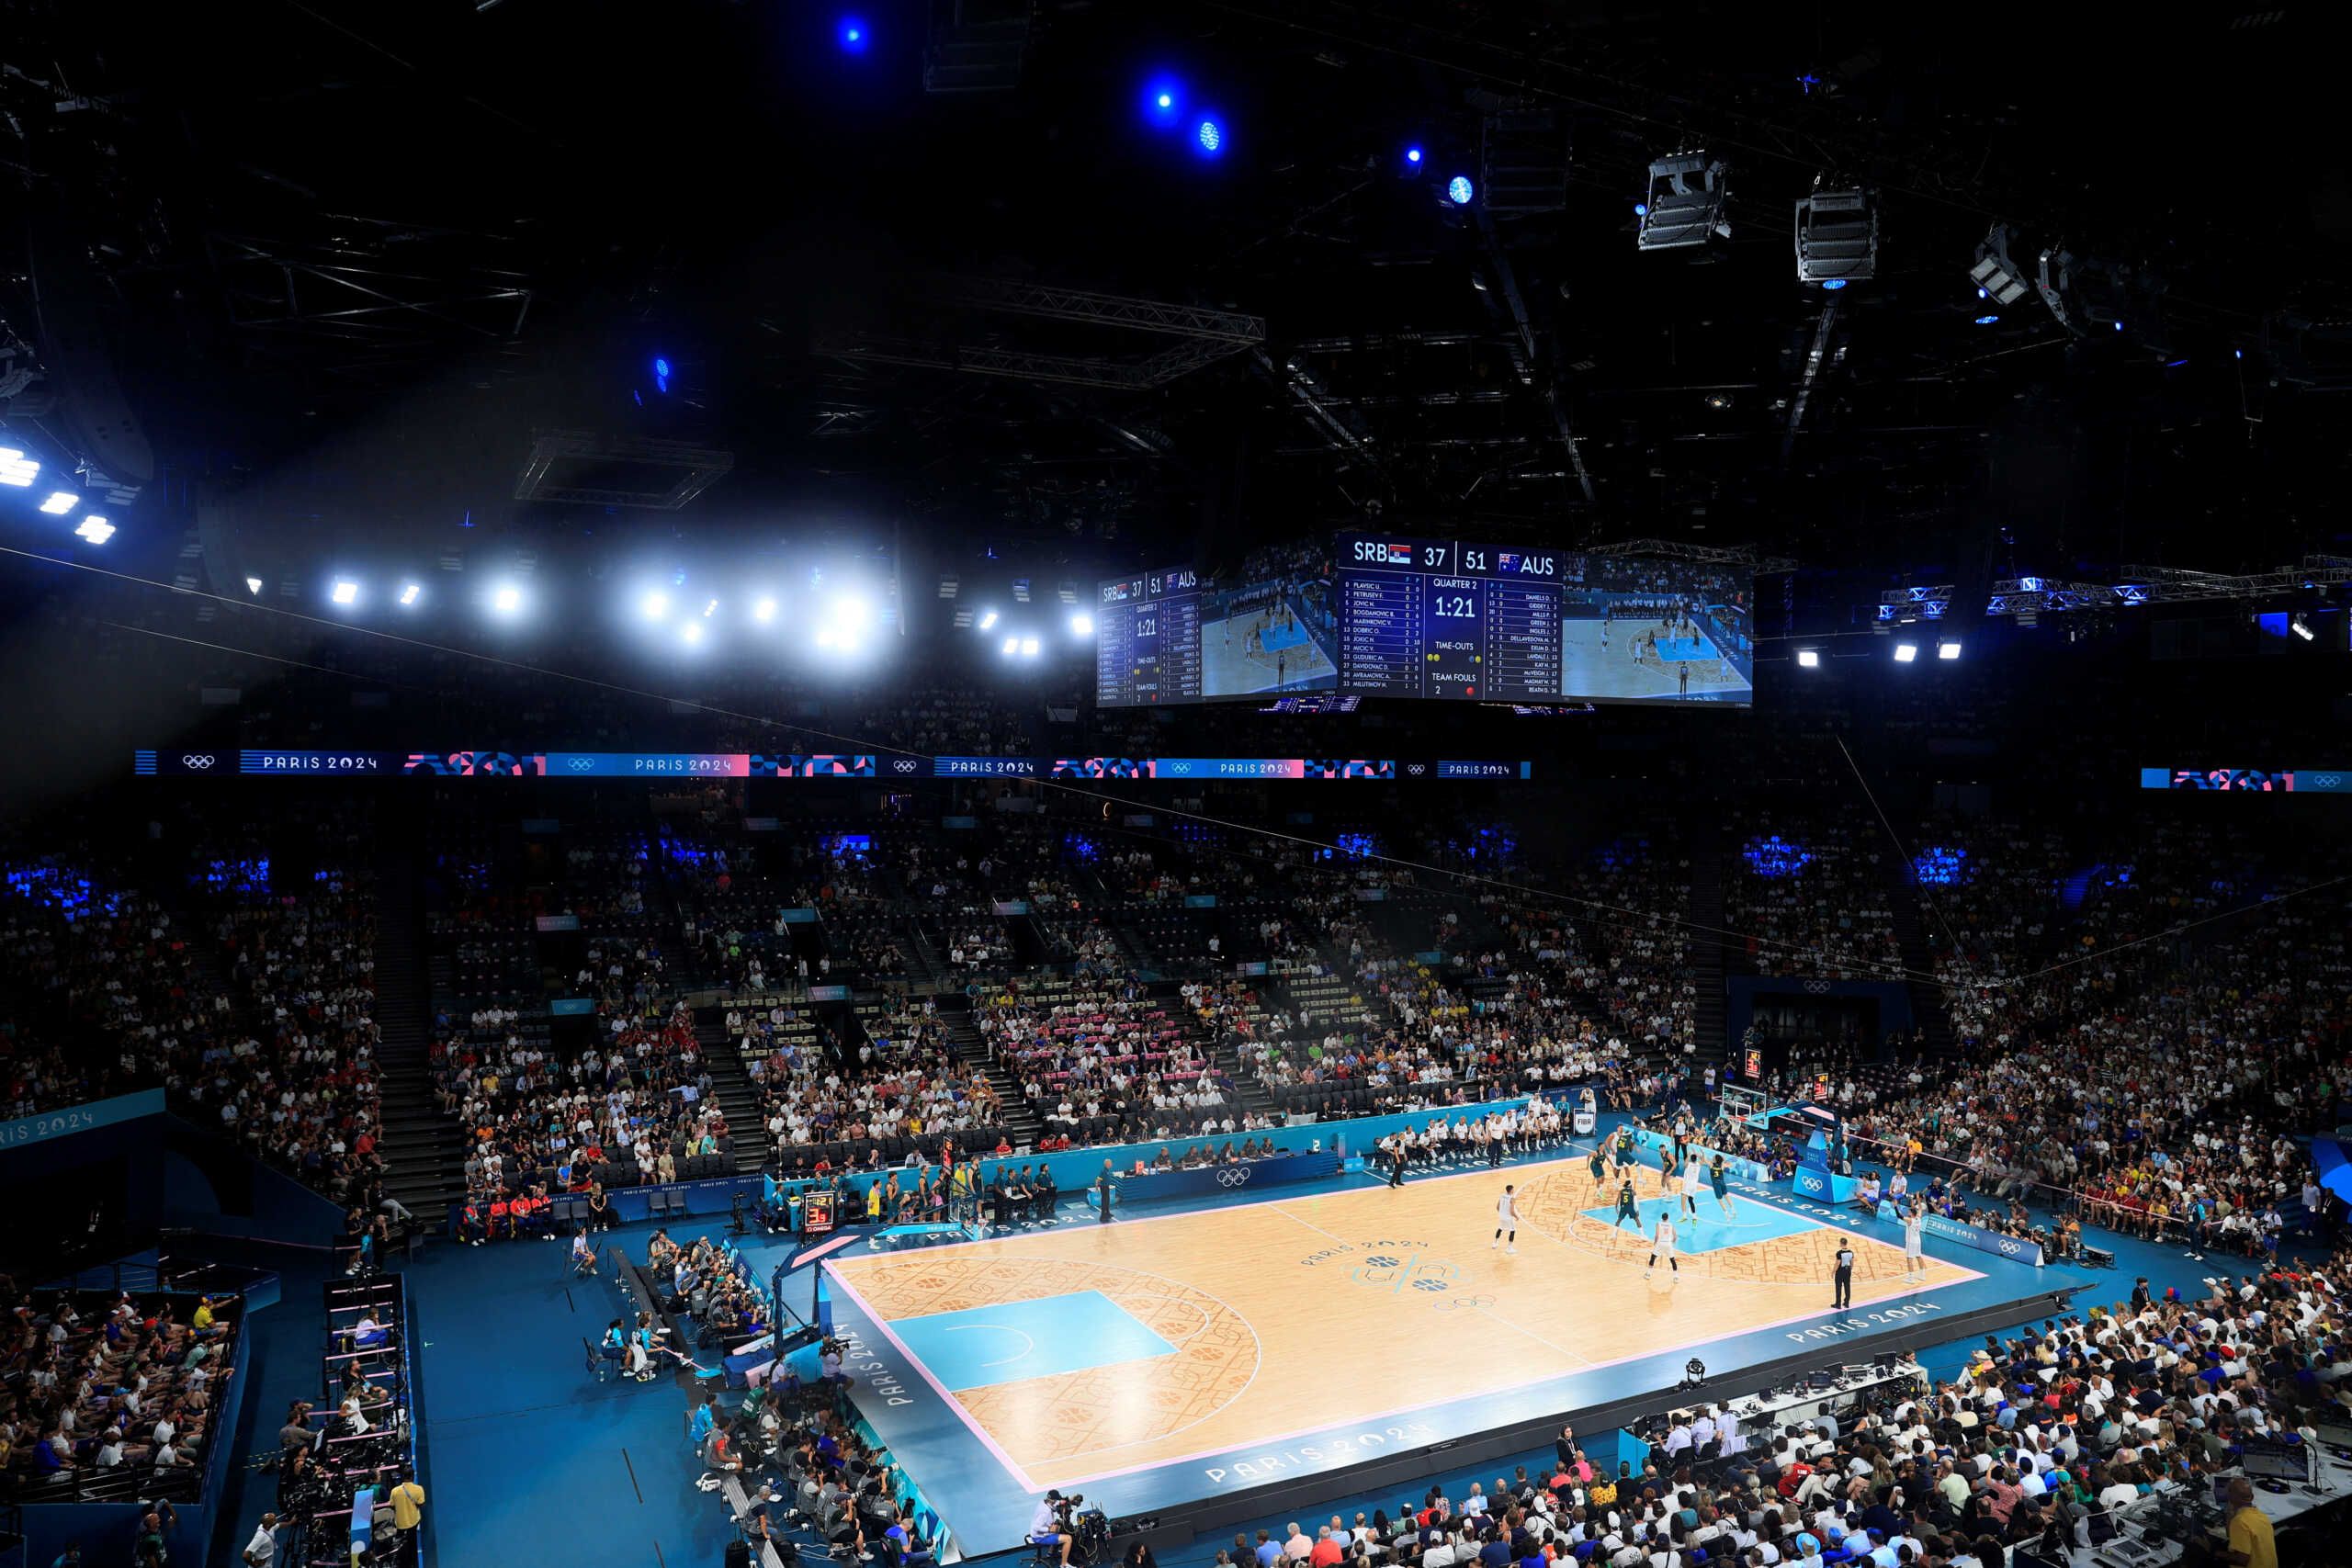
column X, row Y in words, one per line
column 1050, row 1524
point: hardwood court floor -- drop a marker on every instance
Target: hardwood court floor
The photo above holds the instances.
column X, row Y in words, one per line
column 1276, row 1319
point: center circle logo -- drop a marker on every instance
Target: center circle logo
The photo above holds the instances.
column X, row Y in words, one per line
column 1396, row 1272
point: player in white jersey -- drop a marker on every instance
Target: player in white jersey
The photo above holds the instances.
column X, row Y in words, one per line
column 1662, row 1246
column 1691, row 1181
column 1507, row 1220
column 1914, row 1265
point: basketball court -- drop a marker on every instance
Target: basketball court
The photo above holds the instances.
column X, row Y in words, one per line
column 1163, row 1361
column 1609, row 658
column 1262, row 650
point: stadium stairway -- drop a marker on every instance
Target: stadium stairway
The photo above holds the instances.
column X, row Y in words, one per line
column 956, row 1012
column 1132, row 947
column 1930, row 1018
column 1710, row 1015
column 925, row 969
column 424, row 1150
column 732, row 1086
column 1251, row 1094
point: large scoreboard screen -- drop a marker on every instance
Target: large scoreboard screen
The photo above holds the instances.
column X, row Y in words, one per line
column 1165, row 637
column 1147, row 639
column 1434, row 618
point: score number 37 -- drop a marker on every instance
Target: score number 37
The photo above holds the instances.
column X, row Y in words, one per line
column 1471, row 560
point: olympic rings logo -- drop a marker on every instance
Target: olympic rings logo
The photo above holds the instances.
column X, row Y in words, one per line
column 199, row 760
column 1234, row 1176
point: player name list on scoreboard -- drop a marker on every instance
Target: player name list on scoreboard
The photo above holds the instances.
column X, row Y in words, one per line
column 1148, row 641
column 1422, row 619
column 1380, row 634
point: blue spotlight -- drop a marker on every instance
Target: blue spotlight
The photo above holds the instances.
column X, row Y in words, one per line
column 1210, row 136
column 1641, row 209
column 1986, row 321
column 1459, row 190
column 661, row 375
column 1833, row 282
column 853, row 35
column 1412, row 155
column 1163, row 102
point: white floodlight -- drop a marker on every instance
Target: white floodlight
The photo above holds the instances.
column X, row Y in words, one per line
column 1837, row 237
column 1997, row 278
column 410, row 594
column 1808, row 659
column 346, row 591
column 653, row 605
column 1947, row 649
column 988, row 619
column 16, row 469
column 60, row 502
column 1082, row 625
column 1904, row 652
column 98, row 530
column 1686, row 202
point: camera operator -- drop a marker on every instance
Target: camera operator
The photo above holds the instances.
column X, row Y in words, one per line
column 1049, row 1524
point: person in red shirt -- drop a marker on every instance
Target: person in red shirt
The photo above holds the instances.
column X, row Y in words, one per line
column 1326, row 1551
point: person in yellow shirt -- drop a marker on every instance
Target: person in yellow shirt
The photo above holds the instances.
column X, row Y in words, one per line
column 2251, row 1543
column 408, row 1504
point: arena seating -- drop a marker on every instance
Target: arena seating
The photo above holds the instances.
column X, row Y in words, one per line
column 80, row 1432
column 2039, row 1446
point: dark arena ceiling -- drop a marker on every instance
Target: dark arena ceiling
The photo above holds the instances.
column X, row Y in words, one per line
column 950, row 281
